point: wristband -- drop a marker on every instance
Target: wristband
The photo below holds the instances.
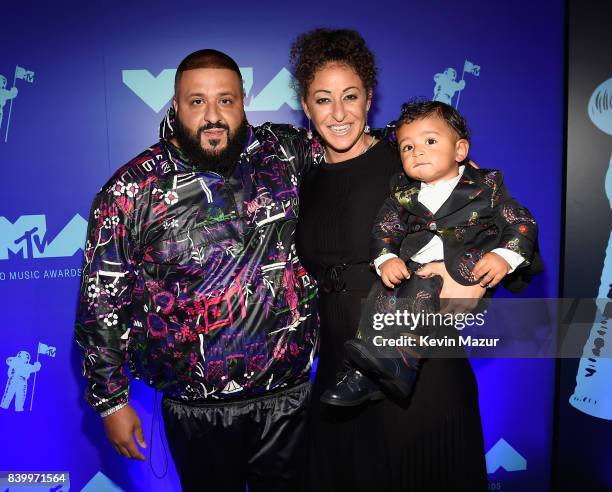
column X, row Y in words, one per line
column 112, row 410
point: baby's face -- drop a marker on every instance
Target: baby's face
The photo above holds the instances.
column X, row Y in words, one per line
column 430, row 149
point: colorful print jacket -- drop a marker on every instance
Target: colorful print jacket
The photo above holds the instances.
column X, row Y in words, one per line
column 193, row 278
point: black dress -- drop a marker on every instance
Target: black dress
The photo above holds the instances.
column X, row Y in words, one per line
column 435, row 441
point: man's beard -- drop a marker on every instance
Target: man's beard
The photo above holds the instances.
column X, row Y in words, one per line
column 223, row 161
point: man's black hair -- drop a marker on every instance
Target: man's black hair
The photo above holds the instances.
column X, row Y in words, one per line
column 206, row 58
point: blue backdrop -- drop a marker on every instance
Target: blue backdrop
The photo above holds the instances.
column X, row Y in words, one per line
column 92, row 82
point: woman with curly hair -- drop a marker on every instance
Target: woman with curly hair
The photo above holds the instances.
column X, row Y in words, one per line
column 433, row 441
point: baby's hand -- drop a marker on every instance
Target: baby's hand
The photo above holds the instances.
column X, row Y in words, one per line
column 393, row 272
column 491, row 269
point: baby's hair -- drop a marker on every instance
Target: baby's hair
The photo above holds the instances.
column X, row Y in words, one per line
column 417, row 109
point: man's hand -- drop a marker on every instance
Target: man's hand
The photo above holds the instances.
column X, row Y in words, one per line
column 454, row 297
column 121, row 428
column 393, row 272
column 491, row 269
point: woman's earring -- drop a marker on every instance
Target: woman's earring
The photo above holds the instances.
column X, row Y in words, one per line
column 366, row 128
column 309, row 132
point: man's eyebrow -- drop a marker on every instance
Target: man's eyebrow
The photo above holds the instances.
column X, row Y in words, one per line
column 200, row 94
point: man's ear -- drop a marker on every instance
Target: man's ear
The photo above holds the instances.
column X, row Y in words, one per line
column 174, row 103
column 462, row 148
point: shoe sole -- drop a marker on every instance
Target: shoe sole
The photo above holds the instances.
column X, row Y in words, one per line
column 370, row 366
column 378, row 395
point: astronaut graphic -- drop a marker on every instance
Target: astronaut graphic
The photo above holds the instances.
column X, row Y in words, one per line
column 593, row 393
column 10, row 94
column 447, row 85
column 19, row 372
column 5, row 95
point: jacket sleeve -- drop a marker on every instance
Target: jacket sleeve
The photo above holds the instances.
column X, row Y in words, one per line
column 103, row 313
column 390, row 227
column 519, row 230
column 519, row 233
column 300, row 152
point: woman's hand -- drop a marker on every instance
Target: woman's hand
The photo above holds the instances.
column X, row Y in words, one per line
column 454, row 297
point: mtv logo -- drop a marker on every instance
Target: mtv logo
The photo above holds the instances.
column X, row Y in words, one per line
column 156, row 91
column 502, row 455
column 28, row 236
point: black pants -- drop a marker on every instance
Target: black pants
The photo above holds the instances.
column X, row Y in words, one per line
column 224, row 446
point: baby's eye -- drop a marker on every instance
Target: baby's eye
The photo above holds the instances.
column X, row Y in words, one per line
column 407, row 148
column 430, row 141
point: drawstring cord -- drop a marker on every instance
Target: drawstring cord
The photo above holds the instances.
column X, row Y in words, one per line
column 161, row 438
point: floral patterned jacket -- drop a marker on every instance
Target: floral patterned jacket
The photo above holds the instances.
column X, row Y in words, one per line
column 193, row 278
column 480, row 215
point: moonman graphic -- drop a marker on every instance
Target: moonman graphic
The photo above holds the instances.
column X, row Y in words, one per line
column 18, row 375
column 447, row 86
column 5, row 95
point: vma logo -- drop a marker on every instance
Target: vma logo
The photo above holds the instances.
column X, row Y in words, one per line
column 156, row 91
column 101, row 483
column 502, row 455
column 27, row 237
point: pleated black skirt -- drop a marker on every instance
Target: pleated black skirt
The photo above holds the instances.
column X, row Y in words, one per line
column 434, row 442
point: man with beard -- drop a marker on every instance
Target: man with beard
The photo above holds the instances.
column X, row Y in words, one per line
column 191, row 276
